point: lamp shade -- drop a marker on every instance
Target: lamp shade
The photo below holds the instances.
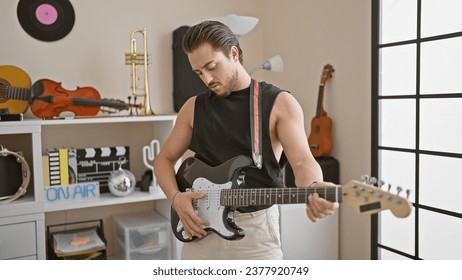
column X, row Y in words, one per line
column 240, row 25
column 274, row 64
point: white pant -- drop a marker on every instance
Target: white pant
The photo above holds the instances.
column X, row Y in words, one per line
column 261, row 241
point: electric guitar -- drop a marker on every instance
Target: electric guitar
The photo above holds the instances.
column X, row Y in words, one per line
column 320, row 138
column 223, row 187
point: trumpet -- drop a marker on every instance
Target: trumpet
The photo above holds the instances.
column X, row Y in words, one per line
column 136, row 58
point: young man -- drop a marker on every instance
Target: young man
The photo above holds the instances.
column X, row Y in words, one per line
column 216, row 127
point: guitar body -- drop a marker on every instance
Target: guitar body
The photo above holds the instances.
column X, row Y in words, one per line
column 190, row 177
column 11, row 79
column 320, row 138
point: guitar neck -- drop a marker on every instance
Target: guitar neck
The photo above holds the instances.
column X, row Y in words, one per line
column 319, row 109
column 269, row 196
column 16, row 93
column 326, row 72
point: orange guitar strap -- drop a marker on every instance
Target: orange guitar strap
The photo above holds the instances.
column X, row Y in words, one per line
column 256, row 124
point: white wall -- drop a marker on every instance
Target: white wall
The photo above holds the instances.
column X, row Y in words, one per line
column 308, row 34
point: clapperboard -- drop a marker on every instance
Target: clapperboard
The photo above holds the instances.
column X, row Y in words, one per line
column 97, row 164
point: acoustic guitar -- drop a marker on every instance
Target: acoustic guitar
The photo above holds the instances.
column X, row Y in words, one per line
column 225, row 191
column 320, row 138
column 14, row 88
column 48, row 99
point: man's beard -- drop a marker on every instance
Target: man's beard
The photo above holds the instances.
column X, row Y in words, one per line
column 229, row 85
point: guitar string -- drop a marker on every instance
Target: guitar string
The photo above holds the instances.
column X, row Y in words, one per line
column 249, row 196
column 274, row 196
column 16, row 92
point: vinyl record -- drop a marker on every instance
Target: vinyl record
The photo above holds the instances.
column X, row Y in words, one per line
column 46, row 20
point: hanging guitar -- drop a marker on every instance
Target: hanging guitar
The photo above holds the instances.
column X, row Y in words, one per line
column 224, row 192
column 320, row 138
column 48, row 99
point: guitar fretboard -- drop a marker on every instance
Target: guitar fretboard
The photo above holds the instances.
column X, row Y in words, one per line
column 320, row 101
column 14, row 92
column 269, row 196
column 84, row 101
column 102, row 102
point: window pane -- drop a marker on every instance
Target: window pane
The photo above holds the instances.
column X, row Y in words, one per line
column 444, row 190
column 440, row 66
column 397, row 70
column 398, row 169
column 387, row 255
column 398, row 20
column 397, row 123
column 446, row 14
column 397, row 233
column 439, row 236
column 441, row 125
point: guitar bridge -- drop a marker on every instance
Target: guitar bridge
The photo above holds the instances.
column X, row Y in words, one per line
column 314, row 146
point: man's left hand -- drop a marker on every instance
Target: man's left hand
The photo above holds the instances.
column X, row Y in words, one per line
column 318, row 207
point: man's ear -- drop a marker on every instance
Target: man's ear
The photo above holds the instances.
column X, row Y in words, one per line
column 234, row 53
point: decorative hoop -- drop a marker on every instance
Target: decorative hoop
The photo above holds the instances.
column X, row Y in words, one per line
column 25, row 174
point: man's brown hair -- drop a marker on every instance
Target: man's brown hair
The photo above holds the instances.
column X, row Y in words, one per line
column 217, row 34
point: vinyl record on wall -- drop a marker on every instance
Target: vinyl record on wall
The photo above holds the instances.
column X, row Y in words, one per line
column 46, row 20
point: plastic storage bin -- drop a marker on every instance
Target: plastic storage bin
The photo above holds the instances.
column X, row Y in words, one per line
column 142, row 236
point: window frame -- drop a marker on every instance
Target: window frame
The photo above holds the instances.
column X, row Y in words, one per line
column 375, row 125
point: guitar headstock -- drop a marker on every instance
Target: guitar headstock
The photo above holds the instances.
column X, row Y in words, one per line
column 326, row 73
column 365, row 198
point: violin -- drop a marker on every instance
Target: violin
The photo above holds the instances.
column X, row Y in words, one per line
column 49, row 99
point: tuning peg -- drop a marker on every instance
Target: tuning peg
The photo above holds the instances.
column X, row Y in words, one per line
column 380, row 183
column 373, row 181
column 399, row 189
column 408, row 192
column 389, row 187
column 364, row 178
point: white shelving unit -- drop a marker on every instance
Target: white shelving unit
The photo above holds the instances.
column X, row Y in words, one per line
column 34, row 137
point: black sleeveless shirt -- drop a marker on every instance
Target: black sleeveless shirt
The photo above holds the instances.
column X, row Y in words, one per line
column 221, row 131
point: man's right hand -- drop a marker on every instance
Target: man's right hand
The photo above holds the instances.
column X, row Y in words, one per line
column 192, row 223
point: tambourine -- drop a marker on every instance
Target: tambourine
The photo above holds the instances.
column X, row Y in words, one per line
column 25, row 170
